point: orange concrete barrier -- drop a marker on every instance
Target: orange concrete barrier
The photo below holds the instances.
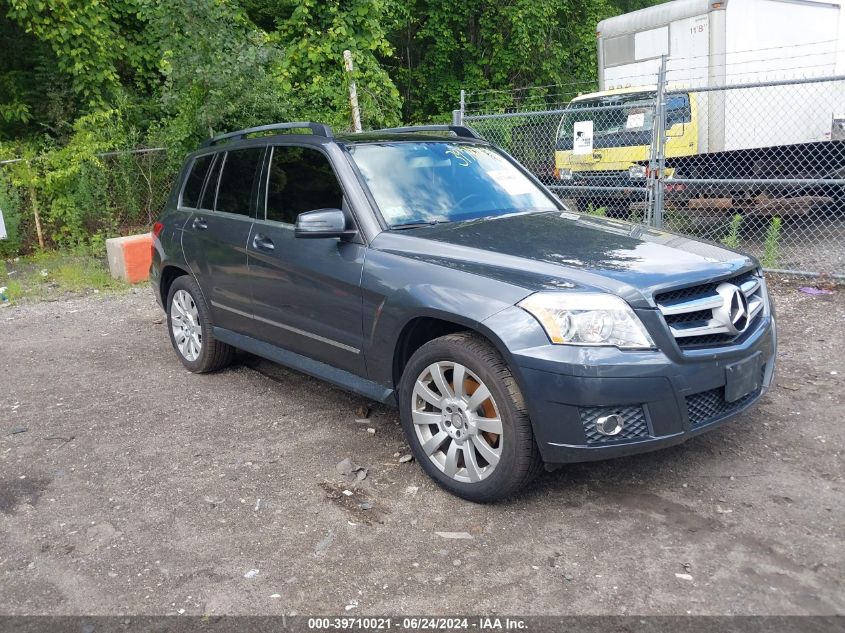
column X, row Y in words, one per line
column 130, row 257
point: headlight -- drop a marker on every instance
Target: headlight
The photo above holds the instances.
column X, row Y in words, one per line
column 564, row 174
column 637, row 171
column 587, row 318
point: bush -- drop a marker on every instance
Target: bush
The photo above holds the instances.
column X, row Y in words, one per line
column 731, row 240
column 12, row 206
column 83, row 195
column 771, row 244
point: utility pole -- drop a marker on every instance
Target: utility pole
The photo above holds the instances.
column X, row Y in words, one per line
column 353, row 92
column 458, row 115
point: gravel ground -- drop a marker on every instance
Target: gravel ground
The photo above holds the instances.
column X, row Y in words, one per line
column 128, row 485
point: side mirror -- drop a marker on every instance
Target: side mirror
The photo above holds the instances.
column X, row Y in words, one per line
column 322, row 223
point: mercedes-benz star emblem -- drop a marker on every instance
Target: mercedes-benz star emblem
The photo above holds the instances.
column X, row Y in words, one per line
column 733, row 313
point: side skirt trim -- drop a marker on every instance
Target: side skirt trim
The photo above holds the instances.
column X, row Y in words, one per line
column 339, row 377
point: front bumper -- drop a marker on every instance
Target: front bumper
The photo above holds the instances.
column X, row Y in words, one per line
column 155, row 280
column 627, row 187
column 665, row 398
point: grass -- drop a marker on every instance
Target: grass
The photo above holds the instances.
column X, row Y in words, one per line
column 54, row 274
column 771, row 245
column 731, row 240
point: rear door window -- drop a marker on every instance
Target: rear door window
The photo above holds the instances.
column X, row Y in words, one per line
column 238, row 180
column 193, row 183
column 301, row 179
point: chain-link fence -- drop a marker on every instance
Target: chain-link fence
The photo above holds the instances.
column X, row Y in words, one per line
column 758, row 166
column 51, row 201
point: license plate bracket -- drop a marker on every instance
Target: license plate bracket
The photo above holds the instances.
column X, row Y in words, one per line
column 743, row 377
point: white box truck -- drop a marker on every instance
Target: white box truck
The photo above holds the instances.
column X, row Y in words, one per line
column 780, row 131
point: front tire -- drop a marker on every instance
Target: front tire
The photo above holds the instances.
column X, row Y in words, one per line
column 190, row 328
column 465, row 419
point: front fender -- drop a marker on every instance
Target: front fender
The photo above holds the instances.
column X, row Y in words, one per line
column 390, row 303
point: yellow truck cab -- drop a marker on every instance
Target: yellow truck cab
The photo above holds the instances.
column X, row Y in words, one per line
column 604, row 140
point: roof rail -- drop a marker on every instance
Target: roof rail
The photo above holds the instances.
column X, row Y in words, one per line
column 457, row 130
column 317, row 129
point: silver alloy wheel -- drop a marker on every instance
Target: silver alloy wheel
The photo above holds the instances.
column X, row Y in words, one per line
column 185, row 323
column 457, row 421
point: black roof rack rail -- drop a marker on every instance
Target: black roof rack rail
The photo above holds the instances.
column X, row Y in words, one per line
column 457, row 130
column 317, row 129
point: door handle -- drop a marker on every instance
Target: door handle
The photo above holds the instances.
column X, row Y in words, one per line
column 199, row 224
column 263, row 242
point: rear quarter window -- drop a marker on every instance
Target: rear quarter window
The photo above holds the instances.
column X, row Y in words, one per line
column 193, row 183
column 210, row 192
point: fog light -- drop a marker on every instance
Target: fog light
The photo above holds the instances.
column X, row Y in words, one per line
column 609, row 424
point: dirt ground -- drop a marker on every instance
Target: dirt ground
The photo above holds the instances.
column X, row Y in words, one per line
column 128, row 485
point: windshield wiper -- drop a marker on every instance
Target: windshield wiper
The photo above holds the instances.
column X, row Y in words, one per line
column 416, row 225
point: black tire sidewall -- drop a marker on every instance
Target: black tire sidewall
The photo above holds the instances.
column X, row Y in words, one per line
column 190, row 286
column 508, row 469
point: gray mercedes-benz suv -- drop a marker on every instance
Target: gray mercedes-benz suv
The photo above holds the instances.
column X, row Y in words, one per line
column 425, row 268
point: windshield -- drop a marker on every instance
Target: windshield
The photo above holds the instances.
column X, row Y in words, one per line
column 623, row 114
column 631, row 113
column 439, row 181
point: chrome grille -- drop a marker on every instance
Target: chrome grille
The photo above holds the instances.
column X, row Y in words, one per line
column 633, row 418
column 695, row 315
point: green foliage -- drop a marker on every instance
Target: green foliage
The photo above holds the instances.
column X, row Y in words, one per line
column 87, row 78
column 444, row 46
column 34, row 95
column 91, row 41
column 600, row 212
column 12, row 205
column 82, row 274
column 214, row 68
column 10, row 288
column 636, row 216
column 731, row 240
column 82, row 195
column 311, row 72
column 54, row 274
column 771, row 244
column 62, row 182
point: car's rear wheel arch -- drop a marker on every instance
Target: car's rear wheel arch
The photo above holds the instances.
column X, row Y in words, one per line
column 191, row 328
column 169, row 274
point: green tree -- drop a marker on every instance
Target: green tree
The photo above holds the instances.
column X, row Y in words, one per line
column 34, row 94
column 91, row 41
column 443, row 47
column 213, row 64
column 313, row 35
column 84, row 77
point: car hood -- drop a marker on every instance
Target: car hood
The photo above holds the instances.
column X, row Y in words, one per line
column 553, row 250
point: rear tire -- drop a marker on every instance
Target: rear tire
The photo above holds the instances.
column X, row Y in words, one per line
column 480, row 449
column 190, row 327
